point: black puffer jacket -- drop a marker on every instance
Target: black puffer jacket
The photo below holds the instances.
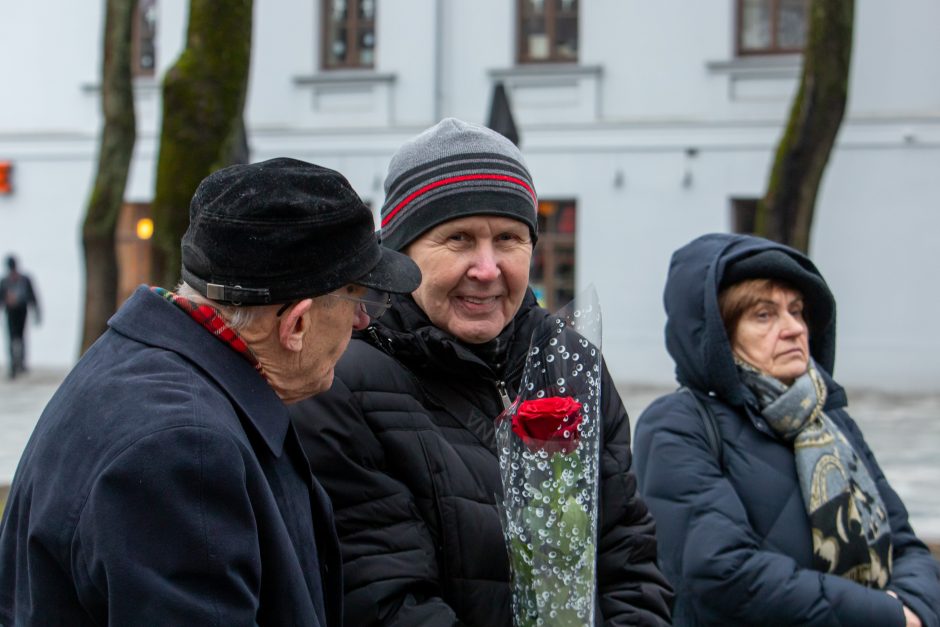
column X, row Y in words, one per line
column 404, row 445
column 734, row 536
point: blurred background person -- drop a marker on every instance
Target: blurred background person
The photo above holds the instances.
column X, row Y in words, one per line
column 404, row 441
column 17, row 295
column 788, row 520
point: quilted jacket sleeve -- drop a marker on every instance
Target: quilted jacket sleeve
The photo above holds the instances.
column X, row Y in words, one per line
column 390, row 572
column 915, row 575
column 632, row 589
column 711, row 553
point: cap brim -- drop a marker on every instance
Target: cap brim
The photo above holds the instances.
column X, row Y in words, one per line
column 395, row 272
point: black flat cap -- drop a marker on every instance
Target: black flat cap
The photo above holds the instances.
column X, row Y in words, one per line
column 282, row 230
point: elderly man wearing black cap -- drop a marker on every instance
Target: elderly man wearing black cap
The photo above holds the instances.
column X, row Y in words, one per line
column 163, row 483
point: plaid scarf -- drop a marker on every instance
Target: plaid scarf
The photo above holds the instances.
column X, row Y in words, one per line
column 851, row 535
column 211, row 319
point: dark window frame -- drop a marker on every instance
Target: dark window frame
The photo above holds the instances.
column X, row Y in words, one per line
column 773, row 48
column 353, row 25
column 552, row 13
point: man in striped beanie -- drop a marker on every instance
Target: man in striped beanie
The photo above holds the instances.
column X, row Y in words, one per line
column 454, row 169
column 404, row 440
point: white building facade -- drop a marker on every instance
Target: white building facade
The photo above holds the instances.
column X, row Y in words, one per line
column 642, row 129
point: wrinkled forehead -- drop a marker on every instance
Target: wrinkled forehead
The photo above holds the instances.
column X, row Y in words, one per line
column 744, row 296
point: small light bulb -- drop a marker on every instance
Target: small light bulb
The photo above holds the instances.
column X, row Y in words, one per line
column 145, row 228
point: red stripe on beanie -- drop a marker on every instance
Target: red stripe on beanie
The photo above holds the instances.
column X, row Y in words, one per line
column 456, row 179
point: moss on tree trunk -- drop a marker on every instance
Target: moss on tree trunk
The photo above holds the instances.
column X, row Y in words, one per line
column 203, row 102
column 785, row 213
column 114, row 157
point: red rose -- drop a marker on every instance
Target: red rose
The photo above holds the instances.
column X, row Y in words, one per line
column 549, row 424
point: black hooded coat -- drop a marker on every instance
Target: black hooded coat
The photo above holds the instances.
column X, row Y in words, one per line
column 404, row 443
column 734, row 535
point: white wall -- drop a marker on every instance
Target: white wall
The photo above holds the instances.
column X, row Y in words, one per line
column 655, row 80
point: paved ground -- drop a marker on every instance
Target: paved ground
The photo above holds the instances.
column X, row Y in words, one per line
column 904, row 432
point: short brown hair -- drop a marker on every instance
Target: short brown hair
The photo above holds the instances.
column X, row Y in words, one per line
column 736, row 299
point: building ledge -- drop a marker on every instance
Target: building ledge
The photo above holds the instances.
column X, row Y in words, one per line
column 767, row 66
column 546, row 70
column 346, row 77
column 141, row 84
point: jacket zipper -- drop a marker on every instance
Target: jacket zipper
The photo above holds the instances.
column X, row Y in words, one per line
column 378, row 342
column 503, row 394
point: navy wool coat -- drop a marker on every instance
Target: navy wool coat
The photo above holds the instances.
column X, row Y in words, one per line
column 734, row 536
column 164, row 485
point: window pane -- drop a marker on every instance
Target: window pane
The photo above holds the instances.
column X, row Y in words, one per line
column 743, row 215
column 567, row 37
column 339, row 12
column 145, row 36
column 535, row 39
column 534, row 6
column 366, row 9
column 791, row 26
column 337, row 52
column 366, row 46
column 755, row 25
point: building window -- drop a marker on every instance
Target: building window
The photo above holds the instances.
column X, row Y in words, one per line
column 348, row 34
column 144, row 39
column 743, row 215
column 772, row 26
column 553, row 261
column 548, row 31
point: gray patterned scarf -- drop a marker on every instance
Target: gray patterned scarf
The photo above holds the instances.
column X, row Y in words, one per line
column 851, row 535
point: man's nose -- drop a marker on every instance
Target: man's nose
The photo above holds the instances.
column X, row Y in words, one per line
column 485, row 264
column 362, row 318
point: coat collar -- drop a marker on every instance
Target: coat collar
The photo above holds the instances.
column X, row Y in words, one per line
column 407, row 333
column 151, row 320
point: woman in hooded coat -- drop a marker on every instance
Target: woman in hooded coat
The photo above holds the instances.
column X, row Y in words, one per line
column 785, row 518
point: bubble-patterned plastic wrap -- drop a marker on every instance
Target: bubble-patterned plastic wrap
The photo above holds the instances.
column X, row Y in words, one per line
column 548, row 443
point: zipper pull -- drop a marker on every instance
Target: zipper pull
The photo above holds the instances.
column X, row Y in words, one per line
column 378, row 341
column 503, row 394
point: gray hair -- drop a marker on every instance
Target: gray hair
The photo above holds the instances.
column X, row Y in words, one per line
column 238, row 318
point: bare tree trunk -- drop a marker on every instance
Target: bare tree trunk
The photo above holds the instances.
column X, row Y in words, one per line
column 785, row 214
column 203, row 103
column 114, row 157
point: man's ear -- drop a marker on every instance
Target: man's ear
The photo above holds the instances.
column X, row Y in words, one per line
column 293, row 326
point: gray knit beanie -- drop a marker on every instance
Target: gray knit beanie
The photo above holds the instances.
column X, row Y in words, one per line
column 451, row 170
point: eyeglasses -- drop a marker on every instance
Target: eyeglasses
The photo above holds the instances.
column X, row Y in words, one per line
column 373, row 302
